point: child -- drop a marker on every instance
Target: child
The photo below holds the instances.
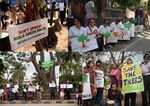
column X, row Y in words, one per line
column 62, row 94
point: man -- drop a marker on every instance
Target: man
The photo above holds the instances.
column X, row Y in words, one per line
column 146, row 78
column 4, row 7
column 115, row 95
column 68, row 91
column 90, row 11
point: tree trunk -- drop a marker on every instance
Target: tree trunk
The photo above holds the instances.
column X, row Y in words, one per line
column 52, row 71
column 38, row 69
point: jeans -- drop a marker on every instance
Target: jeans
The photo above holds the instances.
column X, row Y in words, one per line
column 10, row 96
column 99, row 95
column 133, row 99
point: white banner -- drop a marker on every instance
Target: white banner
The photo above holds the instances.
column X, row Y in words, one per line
column 90, row 44
column 66, row 85
column 27, row 33
column 99, row 78
column 86, row 87
column 57, row 75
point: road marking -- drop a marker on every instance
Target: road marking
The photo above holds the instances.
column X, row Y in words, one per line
column 132, row 44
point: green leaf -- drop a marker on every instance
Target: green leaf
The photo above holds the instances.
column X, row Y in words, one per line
column 128, row 25
column 107, row 35
column 82, row 38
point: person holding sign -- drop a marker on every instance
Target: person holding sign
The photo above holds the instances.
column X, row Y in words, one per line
column 52, row 87
column 146, row 78
column 99, row 80
column 89, row 71
column 132, row 95
column 62, row 11
column 93, row 30
column 105, row 30
column 76, row 31
column 30, row 92
column 115, row 76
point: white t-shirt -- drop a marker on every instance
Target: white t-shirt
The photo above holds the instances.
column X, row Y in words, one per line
column 90, row 30
column 146, row 68
column 1, row 91
column 75, row 32
column 88, row 7
column 52, row 85
column 103, row 29
column 113, row 27
column 61, row 6
column 31, row 89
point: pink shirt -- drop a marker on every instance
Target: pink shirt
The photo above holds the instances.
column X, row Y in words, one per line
column 117, row 72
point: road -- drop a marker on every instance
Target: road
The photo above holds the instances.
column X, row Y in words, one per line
column 140, row 43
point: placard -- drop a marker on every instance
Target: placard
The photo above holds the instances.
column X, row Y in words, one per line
column 27, row 33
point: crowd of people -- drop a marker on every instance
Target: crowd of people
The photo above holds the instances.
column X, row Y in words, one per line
column 14, row 14
column 85, row 23
column 102, row 96
column 29, row 92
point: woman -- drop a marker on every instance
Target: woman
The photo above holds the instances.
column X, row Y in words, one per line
column 103, row 29
column 128, row 96
column 115, row 76
column 99, row 80
column 76, row 30
column 30, row 92
column 90, row 69
column 92, row 29
column 52, row 89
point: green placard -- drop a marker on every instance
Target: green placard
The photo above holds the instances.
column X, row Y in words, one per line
column 47, row 64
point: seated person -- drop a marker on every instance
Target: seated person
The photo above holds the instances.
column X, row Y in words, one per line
column 115, row 95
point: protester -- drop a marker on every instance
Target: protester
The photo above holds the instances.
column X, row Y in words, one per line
column 53, row 89
column 146, row 78
column 139, row 16
column 90, row 69
column 16, row 91
column 1, row 93
column 30, row 91
column 104, row 29
column 62, row 10
column 4, row 8
column 129, row 96
column 10, row 86
column 115, row 76
column 39, row 92
column 25, row 89
column 67, row 91
column 79, row 94
column 76, row 31
column 92, row 29
column 90, row 11
column 99, row 80
column 114, row 95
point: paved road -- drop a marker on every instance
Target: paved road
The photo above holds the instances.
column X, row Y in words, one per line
column 140, row 43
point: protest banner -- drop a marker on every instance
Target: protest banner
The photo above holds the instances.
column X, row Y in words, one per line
column 84, row 44
column 132, row 80
column 87, row 94
column 27, row 33
column 66, row 86
column 99, row 78
column 57, row 75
